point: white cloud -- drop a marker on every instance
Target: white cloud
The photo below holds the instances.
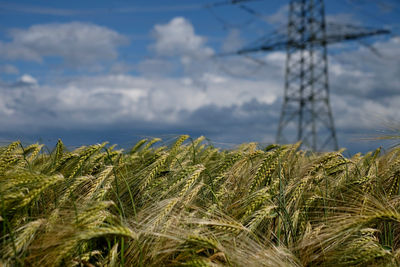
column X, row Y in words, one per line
column 77, row 43
column 177, row 38
column 28, row 79
column 177, row 48
column 365, row 89
column 98, row 100
column 365, row 74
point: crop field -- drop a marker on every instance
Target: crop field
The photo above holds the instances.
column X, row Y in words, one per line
column 192, row 204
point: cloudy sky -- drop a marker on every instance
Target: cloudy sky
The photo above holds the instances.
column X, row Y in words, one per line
column 89, row 71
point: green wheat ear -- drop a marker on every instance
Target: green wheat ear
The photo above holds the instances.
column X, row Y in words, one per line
column 84, row 156
column 8, row 157
column 191, row 204
column 20, row 188
column 137, row 146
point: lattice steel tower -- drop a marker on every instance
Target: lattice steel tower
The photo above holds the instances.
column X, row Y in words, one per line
column 306, row 113
column 306, row 106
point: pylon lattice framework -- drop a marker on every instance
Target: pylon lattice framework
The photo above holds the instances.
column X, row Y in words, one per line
column 306, row 113
column 306, row 106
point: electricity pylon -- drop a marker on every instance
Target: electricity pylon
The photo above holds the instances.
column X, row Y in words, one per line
column 306, row 112
column 306, row 97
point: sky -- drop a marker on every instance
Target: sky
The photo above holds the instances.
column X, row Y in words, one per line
column 119, row 71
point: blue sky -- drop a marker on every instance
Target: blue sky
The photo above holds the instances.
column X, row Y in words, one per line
column 89, row 71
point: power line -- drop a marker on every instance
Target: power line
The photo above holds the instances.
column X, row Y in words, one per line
column 239, row 3
column 226, row 24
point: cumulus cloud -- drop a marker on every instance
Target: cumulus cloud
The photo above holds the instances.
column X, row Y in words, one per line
column 362, row 73
column 177, row 46
column 77, row 43
column 365, row 90
column 108, row 98
column 28, row 79
column 230, row 110
column 177, row 38
column 178, row 50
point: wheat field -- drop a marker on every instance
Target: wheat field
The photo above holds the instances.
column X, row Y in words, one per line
column 192, row 204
